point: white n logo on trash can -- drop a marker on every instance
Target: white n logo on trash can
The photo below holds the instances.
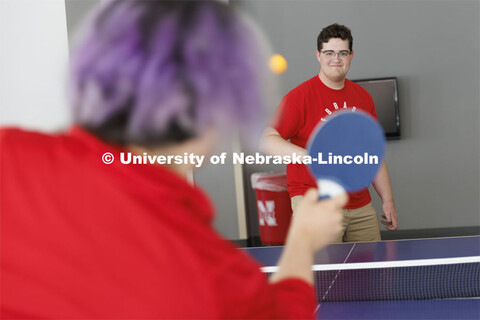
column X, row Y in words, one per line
column 266, row 213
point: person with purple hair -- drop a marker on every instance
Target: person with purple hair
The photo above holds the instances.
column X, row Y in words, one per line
column 92, row 239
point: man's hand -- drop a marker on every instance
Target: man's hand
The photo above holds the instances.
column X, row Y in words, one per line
column 315, row 225
column 390, row 220
column 318, row 222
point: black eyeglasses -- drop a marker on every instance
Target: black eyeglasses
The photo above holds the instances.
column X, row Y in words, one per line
column 341, row 54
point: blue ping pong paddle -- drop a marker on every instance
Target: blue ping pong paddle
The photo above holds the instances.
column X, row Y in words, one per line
column 348, row 149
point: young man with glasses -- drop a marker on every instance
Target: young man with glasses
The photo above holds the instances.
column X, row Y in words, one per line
column 314, row 101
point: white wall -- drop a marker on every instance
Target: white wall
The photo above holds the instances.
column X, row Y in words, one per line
column 33, row 60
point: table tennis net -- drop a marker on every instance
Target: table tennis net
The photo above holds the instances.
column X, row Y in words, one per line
column 441, row 281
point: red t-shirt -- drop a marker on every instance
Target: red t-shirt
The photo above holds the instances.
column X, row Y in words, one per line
column 299, row 113
column 81, row 239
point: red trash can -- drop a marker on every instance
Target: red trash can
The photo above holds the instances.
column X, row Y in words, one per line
column 273, row 206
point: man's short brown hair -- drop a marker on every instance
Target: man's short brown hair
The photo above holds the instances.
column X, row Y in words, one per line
column 334, row 31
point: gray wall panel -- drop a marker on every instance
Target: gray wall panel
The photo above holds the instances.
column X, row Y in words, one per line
column 433, row 49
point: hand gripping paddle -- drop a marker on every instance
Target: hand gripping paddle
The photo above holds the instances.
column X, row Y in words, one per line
column 347, row 151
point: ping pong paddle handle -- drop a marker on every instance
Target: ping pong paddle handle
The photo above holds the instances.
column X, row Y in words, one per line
column 329, row 189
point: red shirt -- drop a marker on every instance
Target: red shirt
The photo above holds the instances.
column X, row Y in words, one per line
column 83, row 239
column 299, row 113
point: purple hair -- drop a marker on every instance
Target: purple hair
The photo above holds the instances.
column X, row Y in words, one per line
column 153, row 72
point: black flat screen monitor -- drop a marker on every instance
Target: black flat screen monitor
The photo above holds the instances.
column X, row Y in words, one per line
column 384, row 92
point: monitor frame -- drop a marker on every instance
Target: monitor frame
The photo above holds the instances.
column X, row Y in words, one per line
column 391, row 134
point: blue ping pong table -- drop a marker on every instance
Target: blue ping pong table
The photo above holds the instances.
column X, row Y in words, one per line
column 410, row 300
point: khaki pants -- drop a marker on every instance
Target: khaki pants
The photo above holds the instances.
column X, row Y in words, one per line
column 359, row 225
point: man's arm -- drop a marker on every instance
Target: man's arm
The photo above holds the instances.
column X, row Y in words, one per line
column 315, row 225
column 384, row 190
column 272, row 143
